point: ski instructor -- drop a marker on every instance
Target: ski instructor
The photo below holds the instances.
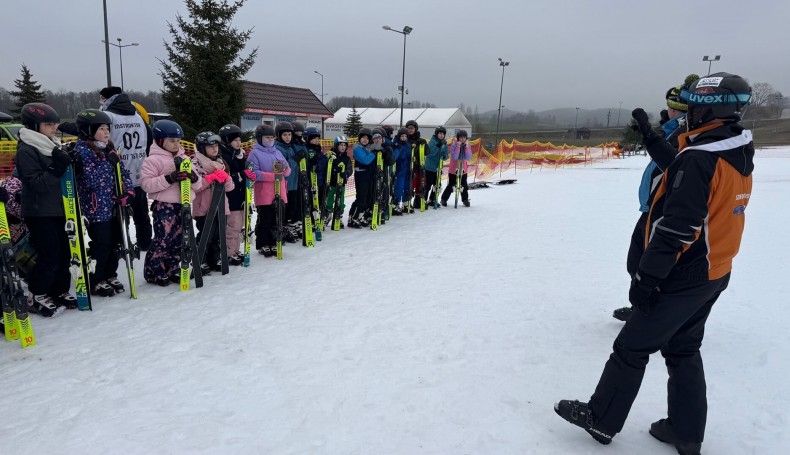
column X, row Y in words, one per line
column 692, row 233
column 130, row 135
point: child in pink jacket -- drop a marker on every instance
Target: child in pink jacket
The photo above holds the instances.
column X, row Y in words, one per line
column 161, row 179
column 208, row 163
column 460, row 153
column 264, row 157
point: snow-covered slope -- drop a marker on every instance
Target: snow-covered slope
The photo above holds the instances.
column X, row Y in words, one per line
column 447, row 332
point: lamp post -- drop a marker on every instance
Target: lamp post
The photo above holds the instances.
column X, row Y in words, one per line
column 618, row 113
column 711, row 60
column 120, row 53
column 322, row 86
column 503, row 64
column 106, row 45
column 576, row 124
column 406, row 31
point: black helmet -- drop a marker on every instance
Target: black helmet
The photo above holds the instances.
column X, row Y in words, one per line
column 403, row 130
column 365, row 132
column 461, row 133
column 310, row 133
column 717, row 96
column 167, row 128
column 379, row 131
column 282, row 127
column 35, row 113
column 412, row 123
column 89, row 120
column 438, row 130
column 229, row 133
column 205, row 138
column 298, row 127
column 389, row 130
column 263, row 130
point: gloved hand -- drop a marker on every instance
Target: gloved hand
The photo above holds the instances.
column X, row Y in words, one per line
column 124, row 199
column 278, row 166
column 644, row 289
column 222, row 176
column 642, row 122
column 193, row 177
column 664, row 117
column 77, row 164
column 4, row 197
column 113, row 158
column 60, row 161
column 177, row 176
column 300, row 155
column 250, row 174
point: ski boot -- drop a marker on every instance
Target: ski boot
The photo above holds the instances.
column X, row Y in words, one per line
column 466, row 203
column 662, row 430
column 116, row 285
column 44, row 305
column 623, row 314
column 103, row 290
column 581, row 415
column 65, row 300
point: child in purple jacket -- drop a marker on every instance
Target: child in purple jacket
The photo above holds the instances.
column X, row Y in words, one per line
column 459, row 151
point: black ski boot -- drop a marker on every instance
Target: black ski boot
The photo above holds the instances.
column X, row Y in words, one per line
column 44, row 305
column 662, row 430
column 466, row 203
column 579, row 414
column 65, row 300
column 236, row 259
column 116, row 285
column 103, row 290
column 444, row 202
column 622, row 314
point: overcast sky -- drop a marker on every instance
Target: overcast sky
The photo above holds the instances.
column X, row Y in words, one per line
column 562, row 53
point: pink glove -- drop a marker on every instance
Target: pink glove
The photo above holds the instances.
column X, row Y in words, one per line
column 220, row 176
column 250, row 174
column 211, row 178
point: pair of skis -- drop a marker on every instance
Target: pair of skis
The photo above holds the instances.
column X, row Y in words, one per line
column 216, row 210
column 340, row 190
column 438, row 185
column 248, row 207
column 190, row 259
column 307, row 216
column 80, row 265
column 460, row 172
column 16, row 320
column 127, row 250
column 378, row 191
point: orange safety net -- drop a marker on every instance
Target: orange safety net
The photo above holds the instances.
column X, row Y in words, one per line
column 514, row 155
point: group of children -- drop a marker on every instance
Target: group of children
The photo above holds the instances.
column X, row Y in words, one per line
column 288, row 153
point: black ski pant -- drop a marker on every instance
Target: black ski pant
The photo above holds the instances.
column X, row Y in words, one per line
column 142, row 220
column 105, row 239
column 451, row 186
column 675, row 325
column 264, row 226
column 50, row 275
column 430, row 183
column 363, row 183
column 212, row 254
column 293, row 209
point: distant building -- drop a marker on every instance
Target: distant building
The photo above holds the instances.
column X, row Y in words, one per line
column 785, row 113
column 428, row 119
column 269, row 104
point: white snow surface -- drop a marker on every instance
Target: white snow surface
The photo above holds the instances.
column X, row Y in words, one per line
column 445, row 332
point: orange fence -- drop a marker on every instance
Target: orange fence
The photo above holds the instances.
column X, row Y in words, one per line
column 513, row 155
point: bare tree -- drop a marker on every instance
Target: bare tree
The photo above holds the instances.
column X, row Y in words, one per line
column 762, row 92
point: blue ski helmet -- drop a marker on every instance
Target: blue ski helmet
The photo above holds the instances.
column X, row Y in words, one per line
column 167, row 128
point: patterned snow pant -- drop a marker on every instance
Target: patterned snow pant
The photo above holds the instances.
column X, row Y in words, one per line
column 233, row 231
column 162, row 259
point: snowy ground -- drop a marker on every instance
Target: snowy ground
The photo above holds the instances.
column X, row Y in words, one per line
column 448, row 332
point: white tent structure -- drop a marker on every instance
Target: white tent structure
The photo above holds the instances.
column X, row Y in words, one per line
column 428, row 119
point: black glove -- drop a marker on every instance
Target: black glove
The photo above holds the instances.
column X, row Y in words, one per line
column 78, row 166
column 642, row 122
column 60, row 161
column 300, row 155
column 193, row 177
column 644, row 289
column 664, row 117
column 4, row 195
column 176, row 176
column 113, row 157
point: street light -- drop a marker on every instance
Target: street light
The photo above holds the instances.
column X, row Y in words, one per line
column 406, row 31
column 503, row 64
column 322, row 86
column 576, row 123
column 618, row 113
column 120, row 53
column 711, row 60
column 106, row 45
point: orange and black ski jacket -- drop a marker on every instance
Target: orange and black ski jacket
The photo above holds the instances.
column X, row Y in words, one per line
column 696, row 220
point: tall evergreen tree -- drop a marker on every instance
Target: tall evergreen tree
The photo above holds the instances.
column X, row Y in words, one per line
column 27, row 91
column 353, row 123
column 203, row 70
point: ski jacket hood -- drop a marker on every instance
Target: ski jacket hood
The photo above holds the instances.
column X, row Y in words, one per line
column 121, row 105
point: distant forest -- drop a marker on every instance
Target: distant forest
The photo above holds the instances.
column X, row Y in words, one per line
column 68, row 104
